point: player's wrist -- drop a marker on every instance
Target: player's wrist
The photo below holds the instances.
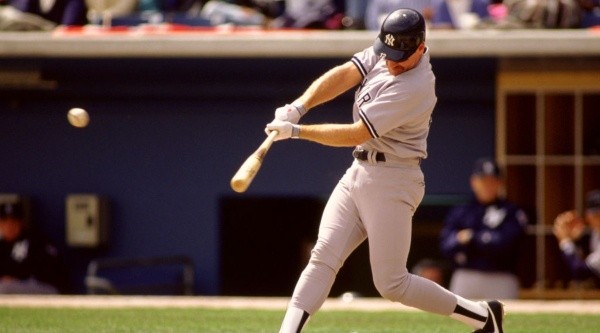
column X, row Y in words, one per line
column 300, row 108
column 567, row 246
column 295, row 131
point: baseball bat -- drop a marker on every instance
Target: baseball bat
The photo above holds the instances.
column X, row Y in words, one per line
column 244, row 176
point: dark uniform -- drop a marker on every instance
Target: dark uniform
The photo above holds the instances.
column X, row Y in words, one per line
column 497, row 231
column 583, row 255
column 490, row 257
column 31, row 258
column 29, row 263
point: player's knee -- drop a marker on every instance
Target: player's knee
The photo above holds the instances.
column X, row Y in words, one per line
column 323, row 255
column 392, row 287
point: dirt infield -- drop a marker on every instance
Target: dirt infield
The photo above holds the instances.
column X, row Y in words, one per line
column 269, row 303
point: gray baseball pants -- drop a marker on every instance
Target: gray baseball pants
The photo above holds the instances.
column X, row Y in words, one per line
column 375, row 201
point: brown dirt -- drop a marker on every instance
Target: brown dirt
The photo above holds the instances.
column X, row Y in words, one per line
column 272, row 303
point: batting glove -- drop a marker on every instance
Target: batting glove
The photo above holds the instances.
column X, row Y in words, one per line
column 285, row 128
column 290, row 112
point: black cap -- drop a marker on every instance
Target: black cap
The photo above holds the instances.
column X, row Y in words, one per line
column 12, row 209
column 593, row 201
column 401, row 33
column 486, row 167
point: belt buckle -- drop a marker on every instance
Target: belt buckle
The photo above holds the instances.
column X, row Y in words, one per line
column 357, row 152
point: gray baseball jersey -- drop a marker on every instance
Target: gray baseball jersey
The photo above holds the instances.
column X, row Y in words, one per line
column 396, row 109
column 377, row 199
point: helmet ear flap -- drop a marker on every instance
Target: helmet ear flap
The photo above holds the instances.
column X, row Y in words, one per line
column 420, row 38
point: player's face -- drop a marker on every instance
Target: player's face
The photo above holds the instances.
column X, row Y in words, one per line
column 486, row 188
column 10, row 229
column 398, row 67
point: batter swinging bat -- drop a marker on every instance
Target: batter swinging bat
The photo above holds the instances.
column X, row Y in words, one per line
column 244, row 176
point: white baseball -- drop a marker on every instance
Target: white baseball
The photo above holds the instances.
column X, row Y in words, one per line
column 78, row 117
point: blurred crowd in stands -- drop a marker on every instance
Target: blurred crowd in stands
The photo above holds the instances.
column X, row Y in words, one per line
column 298, row 14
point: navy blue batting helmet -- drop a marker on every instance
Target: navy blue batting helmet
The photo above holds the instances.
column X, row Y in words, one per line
column 401, row 33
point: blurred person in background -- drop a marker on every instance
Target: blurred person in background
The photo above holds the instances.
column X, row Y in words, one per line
column 245, row 13
column 12, row 19
column 538, row 14
column 591, row 13
column 29, row 264
column 378, row 9
column 483, row 237
column 354, row 18
column 63, row 12
column 580, row 244
column 213, row 12
column 99, row 10
column 311, row 14
column 459, row 14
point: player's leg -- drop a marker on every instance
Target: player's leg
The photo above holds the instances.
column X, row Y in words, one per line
column 340, row 233
column 387, row 205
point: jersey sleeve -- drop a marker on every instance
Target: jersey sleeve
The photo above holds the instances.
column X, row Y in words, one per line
column 365, row 60
column 581, row 269
column 449, row 245
column 593, row 262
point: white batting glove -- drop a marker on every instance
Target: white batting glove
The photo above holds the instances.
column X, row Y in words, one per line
column 289, row 112
column 285, row 128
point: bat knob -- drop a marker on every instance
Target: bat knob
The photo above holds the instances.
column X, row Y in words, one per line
column 239, row 185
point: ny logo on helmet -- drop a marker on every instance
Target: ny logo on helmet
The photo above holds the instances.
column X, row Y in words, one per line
column 390, row 40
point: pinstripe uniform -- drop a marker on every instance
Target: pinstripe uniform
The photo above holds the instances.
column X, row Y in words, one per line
column 396, row 109
column 376, row 199
column 379, row 193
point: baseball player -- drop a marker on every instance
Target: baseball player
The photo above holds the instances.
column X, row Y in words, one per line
column 482, row 238
column 379, row 193
column 580, row 245
column 29, row 264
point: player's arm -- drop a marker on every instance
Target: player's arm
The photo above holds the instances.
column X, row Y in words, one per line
column 333, row 83
column 581, row 268
column 328, row 86
column 449, row 243
column 335, row 135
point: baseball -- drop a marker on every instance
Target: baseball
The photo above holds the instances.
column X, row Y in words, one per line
column 78, row 117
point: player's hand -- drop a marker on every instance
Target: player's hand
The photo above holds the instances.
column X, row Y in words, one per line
column 289, row 112
column 568, row 225
column 285, row 128
column 464, row 236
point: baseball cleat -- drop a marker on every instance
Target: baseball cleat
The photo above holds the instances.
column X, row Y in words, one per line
column 495, row 317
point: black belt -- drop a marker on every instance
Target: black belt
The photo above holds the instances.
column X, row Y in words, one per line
column 363, row 155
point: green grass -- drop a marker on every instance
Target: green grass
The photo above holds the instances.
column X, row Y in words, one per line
column 172, row 320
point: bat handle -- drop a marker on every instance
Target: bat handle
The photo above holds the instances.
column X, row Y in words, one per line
column 269, row 140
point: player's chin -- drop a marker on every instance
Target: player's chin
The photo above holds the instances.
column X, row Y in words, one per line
column 395, row 71
column 395, row 68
